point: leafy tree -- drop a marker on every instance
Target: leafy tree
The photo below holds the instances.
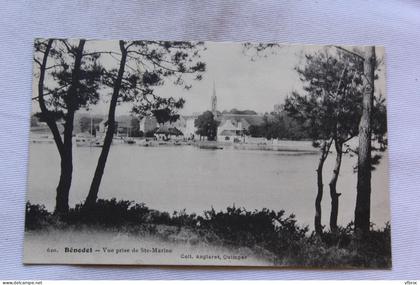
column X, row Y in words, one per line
column 240, row 112
column 311, row 114
column 258, row 50
column 68, row 79
column 331, row 109
column 338, row 80
column 143, row 65
column 256, row 131
column 278, row 126
column 292, row 128
column 168, row 113
column 206, row 125
column 84, row 123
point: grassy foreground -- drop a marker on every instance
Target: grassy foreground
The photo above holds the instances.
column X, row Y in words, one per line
column 265, row 232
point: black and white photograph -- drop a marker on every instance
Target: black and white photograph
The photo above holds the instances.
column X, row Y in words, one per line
column 147, row 152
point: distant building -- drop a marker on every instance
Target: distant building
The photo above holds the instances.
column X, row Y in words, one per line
column 230, row 132
column 148, row 124
column 190, row 128
column 166, row 132
column 103, row 125
column 235, row 128
column 122, row 126
column 180, row 124
column 232, row 127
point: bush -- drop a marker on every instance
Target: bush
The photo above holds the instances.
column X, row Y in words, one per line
column 267, row 232
column 36, row 217
column 345, row 248
column 108, row 213
column 267, row 229
column 374, row 249
column 182, row 219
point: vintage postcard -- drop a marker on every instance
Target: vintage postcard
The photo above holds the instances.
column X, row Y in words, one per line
column 210, row 154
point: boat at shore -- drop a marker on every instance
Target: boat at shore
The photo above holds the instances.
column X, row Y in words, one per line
column 210, row 147
column 89, row 141
column 129, row 140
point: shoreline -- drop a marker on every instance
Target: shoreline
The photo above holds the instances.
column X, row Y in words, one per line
column 304, row 147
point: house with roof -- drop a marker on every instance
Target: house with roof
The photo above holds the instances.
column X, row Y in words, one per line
column 168, row 132
column 122, row 126
column 190, row 128
column 235, row 127
column 230, row 131
column 148, row 124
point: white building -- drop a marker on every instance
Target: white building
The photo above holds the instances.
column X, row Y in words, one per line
column 230, row 132
column 190, row 128
column 148, row 124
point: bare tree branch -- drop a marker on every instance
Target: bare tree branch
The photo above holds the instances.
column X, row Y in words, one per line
column 46, row 113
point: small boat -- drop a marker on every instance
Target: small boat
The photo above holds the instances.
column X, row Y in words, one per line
column 129, row 141
column 210, row 146
column 89, row 139
column 90, row 142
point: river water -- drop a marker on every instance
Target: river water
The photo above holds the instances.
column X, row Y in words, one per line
column 186, row 177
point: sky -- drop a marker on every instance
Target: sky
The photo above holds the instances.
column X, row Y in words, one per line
column 242, row 78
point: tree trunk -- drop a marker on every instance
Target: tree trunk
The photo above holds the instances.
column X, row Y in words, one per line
column 100, row 167
column 45, row 112
column 63, row 188
column 64, row 184
column 324, row 154
column 333, row 186
column 362, row 210
column 64, row 146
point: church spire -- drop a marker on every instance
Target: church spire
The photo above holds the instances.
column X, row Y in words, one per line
column 214, row 88
column 214, row 100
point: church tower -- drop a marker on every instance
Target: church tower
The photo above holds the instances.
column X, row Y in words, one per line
column 214, row 101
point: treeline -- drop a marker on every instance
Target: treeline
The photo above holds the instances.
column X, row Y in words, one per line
column 235, row 111
column 279, row 126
